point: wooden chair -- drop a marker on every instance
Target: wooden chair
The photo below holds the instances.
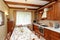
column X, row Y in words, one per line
column 9, row 34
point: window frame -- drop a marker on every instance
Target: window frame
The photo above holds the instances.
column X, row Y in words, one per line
column 2, row 13
column 23, row 11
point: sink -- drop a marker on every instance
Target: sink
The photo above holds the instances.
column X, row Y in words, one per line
column 56, row 27
column 44, row 25
column 38, row 23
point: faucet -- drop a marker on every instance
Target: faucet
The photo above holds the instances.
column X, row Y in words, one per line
column 56, row 25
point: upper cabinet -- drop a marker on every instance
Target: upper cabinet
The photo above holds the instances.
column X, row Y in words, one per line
column 50, row 13
column 53, row 13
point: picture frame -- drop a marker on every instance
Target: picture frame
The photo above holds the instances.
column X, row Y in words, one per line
column 1, row 18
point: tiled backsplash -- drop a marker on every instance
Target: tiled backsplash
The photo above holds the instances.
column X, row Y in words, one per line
column 50, row 23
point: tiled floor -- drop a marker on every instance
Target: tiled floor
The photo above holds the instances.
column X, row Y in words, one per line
column 23, row 33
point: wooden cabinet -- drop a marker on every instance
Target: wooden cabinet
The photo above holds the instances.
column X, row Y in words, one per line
column 51, row 35
column 10, row 26
column 54, row 12
column 36, row 30
column 46, row 34
column 54, row 37
column 50, row 13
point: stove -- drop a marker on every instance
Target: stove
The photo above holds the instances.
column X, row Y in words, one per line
column 41, row 29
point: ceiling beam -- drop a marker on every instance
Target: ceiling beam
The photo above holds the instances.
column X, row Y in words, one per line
column 47, row 5
column 6, row 3
column 22, row 8
column 49, row 0
column 25, row 4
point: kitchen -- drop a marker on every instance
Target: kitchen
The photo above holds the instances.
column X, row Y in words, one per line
column 43, row 19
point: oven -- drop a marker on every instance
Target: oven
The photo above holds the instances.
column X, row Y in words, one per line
column 41, row 29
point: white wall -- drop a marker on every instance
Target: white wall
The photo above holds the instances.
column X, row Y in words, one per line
column 3, row 29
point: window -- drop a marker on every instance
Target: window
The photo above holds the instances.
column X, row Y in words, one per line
column 23, row 18
column 1, row 18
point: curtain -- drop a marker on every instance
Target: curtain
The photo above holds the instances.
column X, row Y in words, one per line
column 23, row 18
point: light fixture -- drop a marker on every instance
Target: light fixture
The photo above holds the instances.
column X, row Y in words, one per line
column 25, row 0
column 41, row 11
column 45, row 13
column 25, row 8
column 6, row 13
column 45, row 9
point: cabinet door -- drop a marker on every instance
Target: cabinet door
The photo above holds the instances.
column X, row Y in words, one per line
column 46, row 34
column 51, row 13
column 35, row 28
column 54, row 37
column 10, row 26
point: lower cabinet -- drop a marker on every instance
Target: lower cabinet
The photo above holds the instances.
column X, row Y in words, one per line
column 46, row 34
column 54, row 37
column 36, row 30
column 51, row 35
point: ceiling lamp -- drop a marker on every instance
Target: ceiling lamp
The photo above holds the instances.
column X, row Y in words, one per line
column 25, row 1
column 26, row 8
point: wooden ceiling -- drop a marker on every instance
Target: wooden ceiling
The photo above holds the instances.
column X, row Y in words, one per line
column 33, row 5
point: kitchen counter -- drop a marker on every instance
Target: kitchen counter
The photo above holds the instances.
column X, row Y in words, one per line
column 53, row 29
column 50, row 28
column 36, row 24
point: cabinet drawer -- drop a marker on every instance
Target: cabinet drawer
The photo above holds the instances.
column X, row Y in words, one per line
column 46, row 33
